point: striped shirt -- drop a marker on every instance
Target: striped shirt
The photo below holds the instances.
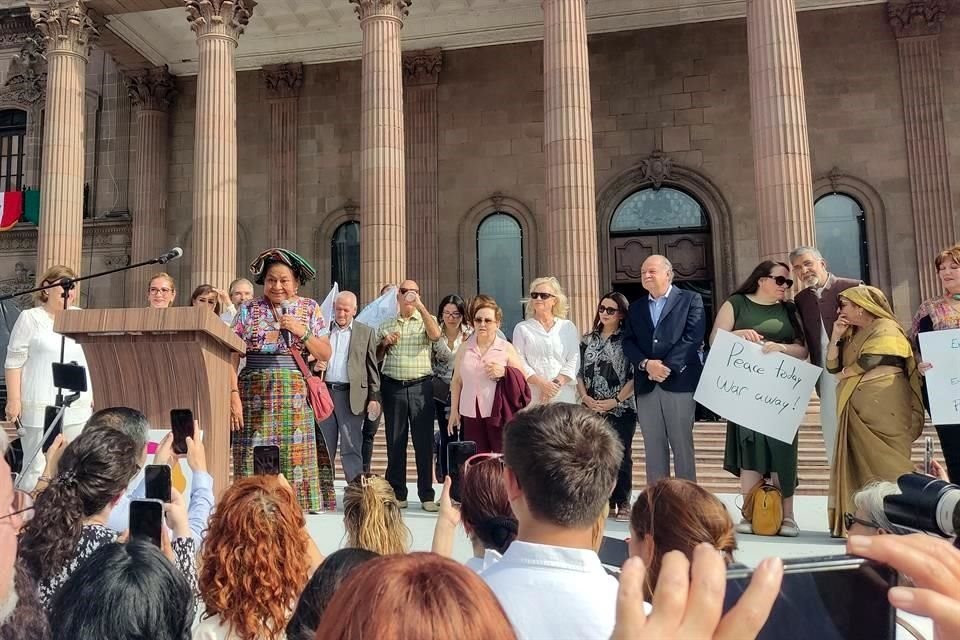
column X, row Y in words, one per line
column 409, row 359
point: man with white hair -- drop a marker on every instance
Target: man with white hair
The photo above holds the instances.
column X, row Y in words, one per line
column 240, row 291
column 818, row 305
column 353, row 378
column 662, row 337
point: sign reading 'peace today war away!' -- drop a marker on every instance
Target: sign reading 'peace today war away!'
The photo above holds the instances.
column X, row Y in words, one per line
column 942, row 350
column 768, row 393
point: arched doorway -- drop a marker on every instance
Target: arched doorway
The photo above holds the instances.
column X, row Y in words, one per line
column 666, row 221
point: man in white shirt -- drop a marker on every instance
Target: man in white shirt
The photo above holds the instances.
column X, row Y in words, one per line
column 561, row 461
column 353, row 378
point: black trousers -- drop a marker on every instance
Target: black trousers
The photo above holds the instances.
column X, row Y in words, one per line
column 370, row 428
column 626, row 427
column 949, row 435
column 408, row 412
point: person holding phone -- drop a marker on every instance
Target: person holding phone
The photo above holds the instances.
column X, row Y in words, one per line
column 456, row 329
column 268, row 398
column 70, row 516
column 372, row 518
column 406, row 384
column 33, row 348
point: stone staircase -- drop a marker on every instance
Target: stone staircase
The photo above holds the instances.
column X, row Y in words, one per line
column 709, row 438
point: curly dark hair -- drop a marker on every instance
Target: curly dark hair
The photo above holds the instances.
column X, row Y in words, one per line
column 95, row 469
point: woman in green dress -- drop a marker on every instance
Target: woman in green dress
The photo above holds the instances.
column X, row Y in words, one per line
column 759, row 312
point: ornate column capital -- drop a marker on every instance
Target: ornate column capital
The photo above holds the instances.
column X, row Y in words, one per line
column 152, row 89
column 65, row 26
column 422, row 67
column 282, row 80
column 916, row 17
column 226, row 18
column 397, row 9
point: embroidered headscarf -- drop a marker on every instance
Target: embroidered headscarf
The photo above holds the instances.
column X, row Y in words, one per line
column 302, row 269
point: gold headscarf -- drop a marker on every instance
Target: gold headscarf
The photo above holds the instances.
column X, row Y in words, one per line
column 871, row 300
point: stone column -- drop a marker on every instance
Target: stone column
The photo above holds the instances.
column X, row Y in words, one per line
column 571, row 221
column 218, row 25
column 421, row 70
column 383, row 228
column 917, row 26
column 152, row 91
column 778, row 117
column 67, row 30
column 283, row 82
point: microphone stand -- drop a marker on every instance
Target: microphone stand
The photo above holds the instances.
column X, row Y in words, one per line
column 63, row 402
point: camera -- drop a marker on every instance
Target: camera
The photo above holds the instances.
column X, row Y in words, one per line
column 925, row 504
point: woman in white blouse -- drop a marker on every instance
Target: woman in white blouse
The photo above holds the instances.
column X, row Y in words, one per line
column 31, row 352
column 549, row 344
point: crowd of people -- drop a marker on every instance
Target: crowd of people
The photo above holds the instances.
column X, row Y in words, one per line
column 553, row 413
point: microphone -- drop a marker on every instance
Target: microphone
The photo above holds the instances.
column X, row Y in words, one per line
column 287, row 336
column 173, row 254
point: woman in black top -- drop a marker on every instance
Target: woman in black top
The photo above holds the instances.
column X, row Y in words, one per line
column 605, row 385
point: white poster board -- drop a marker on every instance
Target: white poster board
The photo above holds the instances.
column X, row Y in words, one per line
column 386, row 306
column 767, row 393
column 942, row 350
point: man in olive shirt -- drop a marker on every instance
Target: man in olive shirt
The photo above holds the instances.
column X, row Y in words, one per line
column 406, row 388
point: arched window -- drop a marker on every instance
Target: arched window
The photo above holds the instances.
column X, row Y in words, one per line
column 841, row 235
column 500, row 265
column 345, row 256
column 13, row 130
column 657, row 210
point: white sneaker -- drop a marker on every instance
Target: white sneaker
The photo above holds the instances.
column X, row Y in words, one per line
column 745, row 526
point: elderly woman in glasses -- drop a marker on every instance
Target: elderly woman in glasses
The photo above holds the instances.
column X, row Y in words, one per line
column 759, row 312
column 605, row 384
column 548, row 344
column 879, row 402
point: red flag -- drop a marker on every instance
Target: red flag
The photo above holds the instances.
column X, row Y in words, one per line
column 11, row 208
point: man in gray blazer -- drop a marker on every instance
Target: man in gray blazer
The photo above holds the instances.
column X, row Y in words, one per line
column 353, row 378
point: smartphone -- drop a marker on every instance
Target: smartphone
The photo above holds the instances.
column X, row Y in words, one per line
column 266, row 460
column 49, row 415
column 156, row 477
column 457, row 454
column 181, row 424
column 928, row 455
column 146, row 520
column 827, row 598
column 613, row 551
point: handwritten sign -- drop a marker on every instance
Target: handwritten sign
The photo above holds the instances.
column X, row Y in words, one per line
column 764, row 392
column 942, row 350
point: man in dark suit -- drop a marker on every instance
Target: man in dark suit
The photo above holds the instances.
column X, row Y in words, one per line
column 662, row 338
column 353, row 378
column 818, row 305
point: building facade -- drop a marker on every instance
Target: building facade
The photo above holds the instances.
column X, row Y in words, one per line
column 431, row 141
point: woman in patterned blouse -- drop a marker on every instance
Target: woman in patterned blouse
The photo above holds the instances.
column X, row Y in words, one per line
column 70, row 516
column 605, row 385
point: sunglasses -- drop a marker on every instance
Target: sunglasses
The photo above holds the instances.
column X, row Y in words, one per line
column 780, row 281
column 849, row 520
column 480, row 457
column 483, row 321
column 607, row 310
column 540, row 295
column 404, row 292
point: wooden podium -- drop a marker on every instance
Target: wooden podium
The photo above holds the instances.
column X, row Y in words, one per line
column 155, row 360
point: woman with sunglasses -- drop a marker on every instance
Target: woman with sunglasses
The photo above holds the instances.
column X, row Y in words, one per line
column 455, row 329
column 879, row 402
column 605, row 384
column 759, row 312
column 481, row 362
column 548, row 344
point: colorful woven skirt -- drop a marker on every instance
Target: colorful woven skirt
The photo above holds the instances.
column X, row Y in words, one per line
column 275, row 412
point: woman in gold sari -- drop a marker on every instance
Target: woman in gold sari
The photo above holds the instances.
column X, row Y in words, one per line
column 879, row 405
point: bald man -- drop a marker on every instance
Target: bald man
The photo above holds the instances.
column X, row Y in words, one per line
column 353, row 378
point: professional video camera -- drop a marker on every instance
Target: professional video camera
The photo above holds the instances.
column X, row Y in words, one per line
column 925, row 504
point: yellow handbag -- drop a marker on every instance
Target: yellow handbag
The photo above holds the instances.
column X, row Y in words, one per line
column 764, row 509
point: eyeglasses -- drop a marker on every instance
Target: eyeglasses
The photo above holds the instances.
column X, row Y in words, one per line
column 404, row 292
column 456, row 315
column 484, row 320
column 849, row 520
column 607, row 310
column 480, row 457
column 780, row 281
column 154, row 291
column 541, row 295
column 22, row 506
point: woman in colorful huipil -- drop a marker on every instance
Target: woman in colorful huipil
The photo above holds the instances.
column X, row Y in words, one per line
column 268, row 403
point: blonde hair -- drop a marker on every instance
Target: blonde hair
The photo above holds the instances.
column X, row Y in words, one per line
column 165, row 276
column 55, row 273
column 561, row 305
column 372, row 517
